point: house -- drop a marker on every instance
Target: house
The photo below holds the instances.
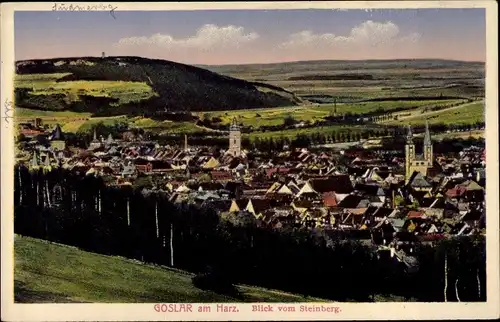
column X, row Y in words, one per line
column 257, row 206
column 314, row 217
column 238, row 205
column 418, row 182
column 212, row 163
column 314, row 188
column 129, row 170
column 329, row 199
column 354, row 201
column 221, row 176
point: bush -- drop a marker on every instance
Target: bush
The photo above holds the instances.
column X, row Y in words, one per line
column 289, row 120
column 216, row 282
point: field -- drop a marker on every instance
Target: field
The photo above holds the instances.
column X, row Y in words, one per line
column 275, row 116
column 324, row 130
column 48, row 84
column 351, row 80
column 407, row 88
column 26, row 113
column 464, row 114
column 51, row 273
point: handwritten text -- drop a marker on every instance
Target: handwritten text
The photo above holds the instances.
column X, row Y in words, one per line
column 8, row 108
column 80, row 7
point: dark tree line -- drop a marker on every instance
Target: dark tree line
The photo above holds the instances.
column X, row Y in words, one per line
column 79, row 210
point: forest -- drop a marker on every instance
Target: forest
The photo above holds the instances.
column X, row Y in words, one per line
column 80, row 210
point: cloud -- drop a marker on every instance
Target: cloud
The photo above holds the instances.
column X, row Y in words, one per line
column 207, row 37
column 367, row 33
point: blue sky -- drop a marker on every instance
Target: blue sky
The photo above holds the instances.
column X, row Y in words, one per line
column 250, row 36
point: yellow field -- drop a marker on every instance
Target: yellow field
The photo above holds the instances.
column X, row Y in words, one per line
column 47, row 84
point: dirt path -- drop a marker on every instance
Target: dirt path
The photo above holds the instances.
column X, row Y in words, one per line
column 208, row 129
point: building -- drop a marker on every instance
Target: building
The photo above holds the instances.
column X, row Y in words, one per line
column 57, row 139
column 422, row 162
column 234, row 139
column 95, row 143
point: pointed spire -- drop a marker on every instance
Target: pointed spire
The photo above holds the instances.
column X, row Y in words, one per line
column 34, row 159
column 409, row 135
column 234, row 125
column 57, row 134
column 47, row 160
column 427, row 137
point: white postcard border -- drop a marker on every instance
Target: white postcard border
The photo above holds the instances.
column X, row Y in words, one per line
column 355, row 311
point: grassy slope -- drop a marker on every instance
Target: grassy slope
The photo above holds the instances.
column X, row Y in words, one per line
column 46, row 272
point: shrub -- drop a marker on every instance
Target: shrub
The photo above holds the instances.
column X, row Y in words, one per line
column 215, row 281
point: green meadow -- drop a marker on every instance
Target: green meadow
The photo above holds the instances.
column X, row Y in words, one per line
column 464, row 114
column 52, row 273
column 49, row 84
column 314, row 112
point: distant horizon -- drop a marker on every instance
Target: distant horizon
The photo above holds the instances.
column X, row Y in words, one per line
column 249, row 37
column 270, row 63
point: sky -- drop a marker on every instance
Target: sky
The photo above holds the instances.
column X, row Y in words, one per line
column 221, row 37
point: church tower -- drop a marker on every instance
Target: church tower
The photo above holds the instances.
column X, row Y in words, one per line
column 428, row 153
column 409, row 152
column 95, row 143
column 234, row 139
column 419, row 163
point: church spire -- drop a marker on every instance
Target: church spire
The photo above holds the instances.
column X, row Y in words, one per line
column 427, row 137
column 409, row 135
column 34, row 159
column 234, row 125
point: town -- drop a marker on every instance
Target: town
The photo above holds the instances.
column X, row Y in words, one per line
column 370, row 196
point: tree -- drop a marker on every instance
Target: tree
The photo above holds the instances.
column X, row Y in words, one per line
column 204, row 178
column 398, row 201
column 289, row 120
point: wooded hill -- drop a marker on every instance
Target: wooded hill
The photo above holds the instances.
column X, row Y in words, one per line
column 131, row 85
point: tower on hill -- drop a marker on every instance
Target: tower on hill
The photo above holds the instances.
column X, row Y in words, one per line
column 234, row 139
column 420, row 163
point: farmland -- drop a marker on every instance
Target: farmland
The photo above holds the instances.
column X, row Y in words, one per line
column 464, row 114
column 323, row 130
column 323, row 81
column 51, row 84
column 275, row 116
column 412, row 90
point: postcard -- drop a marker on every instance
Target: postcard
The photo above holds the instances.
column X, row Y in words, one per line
column 249, row 161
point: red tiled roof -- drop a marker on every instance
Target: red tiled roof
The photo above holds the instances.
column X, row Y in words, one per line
column 329, row 199
column 221, row 175
column 456, row 191
column 271, row 171
column 31, row 132
column 414, row 214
